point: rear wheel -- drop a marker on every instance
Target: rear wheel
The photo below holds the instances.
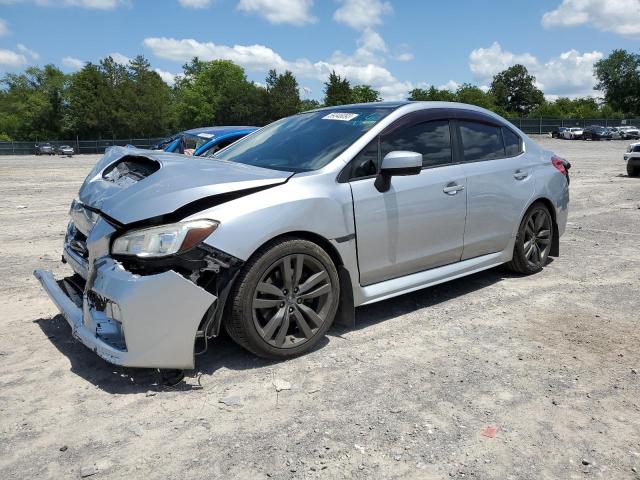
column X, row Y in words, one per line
column 533, row 242
column 284, row 300
column 633, row 171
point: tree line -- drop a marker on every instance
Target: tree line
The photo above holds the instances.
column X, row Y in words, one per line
column 111, row 100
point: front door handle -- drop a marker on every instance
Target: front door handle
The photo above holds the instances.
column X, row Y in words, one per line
column 453, row 188
column 520, row 174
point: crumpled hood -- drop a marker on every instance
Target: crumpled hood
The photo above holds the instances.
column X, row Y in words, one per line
column 130, row 185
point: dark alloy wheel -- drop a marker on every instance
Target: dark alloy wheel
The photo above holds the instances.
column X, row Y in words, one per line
column 533, row 242
column 292, row 301
column 284, row 300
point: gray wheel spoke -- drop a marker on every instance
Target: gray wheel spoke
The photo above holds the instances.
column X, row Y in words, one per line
column 298, row 270
column 527, row 245
column 287, row 273
column 312, row 281
column 543, row 234
column 311, row 315
column 322, row 290
column 529, row 251
column 266, row 302
column 530, row 225
column 536, row 253
column 270, row 288
column 528, row 232
column 544, row 241
column 539, row 221
column 282, row 333
column 273, row 324
column 302, row 323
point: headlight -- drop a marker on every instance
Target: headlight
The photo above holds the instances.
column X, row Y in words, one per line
column 163, row 240
column 629, row 149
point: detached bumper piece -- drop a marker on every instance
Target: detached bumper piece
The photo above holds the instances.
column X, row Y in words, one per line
column 132, row 320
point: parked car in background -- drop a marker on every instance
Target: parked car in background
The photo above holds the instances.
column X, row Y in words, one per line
column 628, row 132
column 615, row 132
column 557, row 132
column 632, row 157
column 596, row 132
column 300, row 222
column 44, row 149
column 66, row 150
column 202, row 141
column 573, row 133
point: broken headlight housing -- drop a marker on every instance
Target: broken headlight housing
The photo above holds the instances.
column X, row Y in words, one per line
column 163, row 240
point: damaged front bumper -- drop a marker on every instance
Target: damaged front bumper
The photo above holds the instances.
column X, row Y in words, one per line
column 128, row 319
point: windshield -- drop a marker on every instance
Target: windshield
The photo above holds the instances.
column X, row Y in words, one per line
column 304, row 142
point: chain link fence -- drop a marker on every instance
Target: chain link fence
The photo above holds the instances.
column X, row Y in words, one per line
column 79, row 146
column 541, row 126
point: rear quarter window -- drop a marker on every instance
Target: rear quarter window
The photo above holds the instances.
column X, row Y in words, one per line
column 512, row 143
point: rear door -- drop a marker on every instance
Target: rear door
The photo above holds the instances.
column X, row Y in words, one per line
column 499, row 185
column 419, row 223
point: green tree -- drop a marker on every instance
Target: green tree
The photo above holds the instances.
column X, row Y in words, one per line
column 432, row 94
column 150, row 112
column 217, row 92
column 472, row 95
column 89, row 107
column 364, row 94
column 337, row 91
column 32, row 104
column 515, row 92
column 619, row 78
column 309, row 104
column 283, row 95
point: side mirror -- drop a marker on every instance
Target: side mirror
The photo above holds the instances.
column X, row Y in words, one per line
column 396, row 163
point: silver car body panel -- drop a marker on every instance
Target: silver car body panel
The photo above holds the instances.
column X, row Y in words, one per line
column 441, row 224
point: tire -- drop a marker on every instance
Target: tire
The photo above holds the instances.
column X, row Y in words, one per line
column 632, row 171
column 257, row 316
column 526, row 261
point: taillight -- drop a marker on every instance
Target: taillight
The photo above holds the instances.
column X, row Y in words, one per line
column 559, row 163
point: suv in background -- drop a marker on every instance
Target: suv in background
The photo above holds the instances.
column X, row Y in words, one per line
column 44, row 149
column 596, row 132
column 632, row 157
column 628, row 132
column 66, row 150
column 557, row 132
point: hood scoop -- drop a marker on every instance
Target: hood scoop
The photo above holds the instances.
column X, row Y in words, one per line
column 129, row 170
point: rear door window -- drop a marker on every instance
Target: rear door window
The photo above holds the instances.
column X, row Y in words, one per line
column 481, row 141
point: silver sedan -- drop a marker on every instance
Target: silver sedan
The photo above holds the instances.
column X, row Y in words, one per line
column 289, row 229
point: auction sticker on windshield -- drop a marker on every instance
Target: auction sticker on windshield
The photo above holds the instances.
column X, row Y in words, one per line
column 345, row 117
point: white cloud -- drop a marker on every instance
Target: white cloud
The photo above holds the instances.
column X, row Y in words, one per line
column 89, row 4
column 259, row 58
column 618, row 16
column 168, row 77
column 451, row 85
column 295, row 12
column 486, row 62
column 405, row 57
column 28, row 52
column 361, row 14
column 195, row 3
column 4, row 28
column 119, row 58
column 72, row 63
column 569, row 74
column 9, row 58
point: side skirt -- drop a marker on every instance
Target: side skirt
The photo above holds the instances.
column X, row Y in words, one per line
column 409, row 283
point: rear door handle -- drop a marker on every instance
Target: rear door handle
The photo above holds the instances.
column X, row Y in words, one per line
column 520, row 174
column 453, row 188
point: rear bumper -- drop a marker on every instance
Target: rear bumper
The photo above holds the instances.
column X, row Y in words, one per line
column 133, row 320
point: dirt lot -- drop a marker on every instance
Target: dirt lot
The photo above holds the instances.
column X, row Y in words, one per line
column 551, row 361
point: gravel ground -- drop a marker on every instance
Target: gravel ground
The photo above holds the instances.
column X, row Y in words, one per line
column 494, row 376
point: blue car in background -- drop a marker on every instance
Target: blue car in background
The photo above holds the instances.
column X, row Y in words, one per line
column 205, row 141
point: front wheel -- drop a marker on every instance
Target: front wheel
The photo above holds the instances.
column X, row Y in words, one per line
column 284, row 300
column 633, row 171
column 533, row 241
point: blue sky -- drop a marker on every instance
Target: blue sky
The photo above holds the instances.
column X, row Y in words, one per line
column 393, row 45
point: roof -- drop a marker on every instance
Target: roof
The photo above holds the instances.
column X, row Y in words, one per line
column 218, row 130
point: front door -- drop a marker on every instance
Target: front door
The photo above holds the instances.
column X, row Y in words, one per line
column 419, row 222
